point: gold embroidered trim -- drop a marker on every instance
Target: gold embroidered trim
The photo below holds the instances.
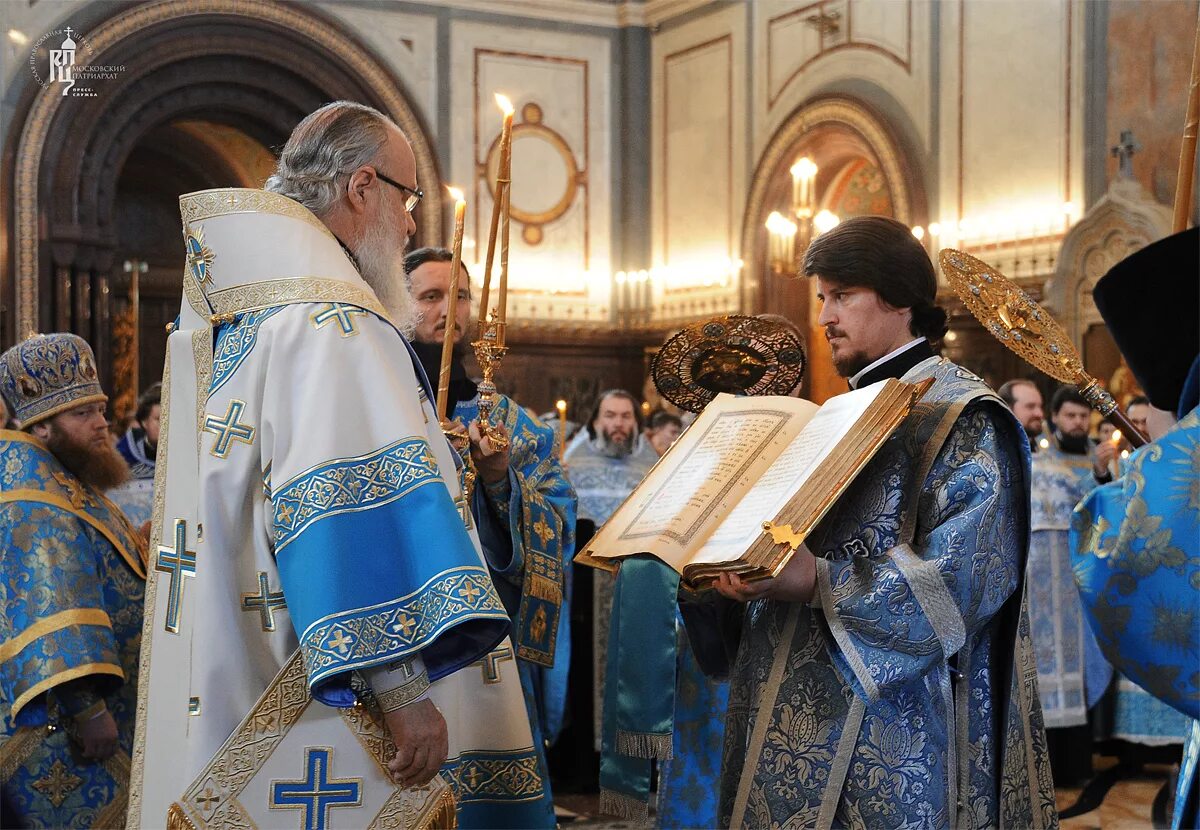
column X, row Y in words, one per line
column 178, row 820
column 26, row 494
column 48, row 625
column 403, row 694
column 17, row 749
column 225, row 201
column 156, row 521
column 62, row 677
column 255, row 296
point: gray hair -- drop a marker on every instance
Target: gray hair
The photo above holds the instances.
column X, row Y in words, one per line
column 329, row 143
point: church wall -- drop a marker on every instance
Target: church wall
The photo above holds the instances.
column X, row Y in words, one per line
column 1148, row 65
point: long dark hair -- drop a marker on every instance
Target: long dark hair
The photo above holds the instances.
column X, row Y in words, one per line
column 613, row 393
column 881, row 254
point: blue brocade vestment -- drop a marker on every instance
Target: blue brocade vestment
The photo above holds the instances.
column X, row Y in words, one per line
column 73, row 579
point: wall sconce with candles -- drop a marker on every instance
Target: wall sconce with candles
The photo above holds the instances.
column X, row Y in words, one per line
column 790, row 237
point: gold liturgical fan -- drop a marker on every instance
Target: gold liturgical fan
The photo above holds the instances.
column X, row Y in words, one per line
column 1012, row 317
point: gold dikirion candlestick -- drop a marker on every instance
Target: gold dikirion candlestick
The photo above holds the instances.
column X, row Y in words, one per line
column 490, row 348
column 443, row 390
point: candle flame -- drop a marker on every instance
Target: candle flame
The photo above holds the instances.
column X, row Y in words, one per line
column 561, row 406
column 1116, row 437
column 504, row 104
column 456, row 194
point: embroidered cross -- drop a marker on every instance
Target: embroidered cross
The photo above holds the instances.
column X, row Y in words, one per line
column 473, row 778
column 228, row 429
column 264, row 602
column 470, row 591
column 490, row 664
column 179, row 562
column 339, row 312
column 208, row 801
column 57, row 784
column 404, row 624
column 316, row 794
column 341, row 642
column 199, row 256
column 543, row 530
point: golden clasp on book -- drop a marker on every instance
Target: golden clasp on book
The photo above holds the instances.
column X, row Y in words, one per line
column 783, row 535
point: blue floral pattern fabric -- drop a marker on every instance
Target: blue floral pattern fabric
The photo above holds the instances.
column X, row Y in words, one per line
column 904, row 695
column 1072, row 672
column 71, row 593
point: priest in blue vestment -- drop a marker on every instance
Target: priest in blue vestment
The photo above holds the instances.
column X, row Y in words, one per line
column 1136, row 542
column 885, row 678
column 73, row 575
column 522, row 504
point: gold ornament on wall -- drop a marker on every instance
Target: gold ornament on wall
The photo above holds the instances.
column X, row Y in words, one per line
column 532, row 128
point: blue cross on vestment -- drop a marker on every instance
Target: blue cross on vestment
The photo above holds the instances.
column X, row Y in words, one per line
column 227, row 429
column 316, row 794
column 339, row 312
column 179, row 562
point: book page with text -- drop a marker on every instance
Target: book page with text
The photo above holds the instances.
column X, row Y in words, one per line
column 702, row 477
column 786, row 474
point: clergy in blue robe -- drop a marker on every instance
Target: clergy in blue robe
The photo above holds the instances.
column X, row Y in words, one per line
column 521, row 501
column 73, row 577
column 1136, row 542
column 1072, row 673
column 885, row 678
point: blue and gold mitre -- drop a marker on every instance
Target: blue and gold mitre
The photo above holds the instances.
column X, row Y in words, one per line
column 48, row 374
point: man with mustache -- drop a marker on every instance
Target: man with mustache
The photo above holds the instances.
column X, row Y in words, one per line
column 884, row 678
column 74, row 575
column 521, row 501
column 1072, row 673
column 322, row 619
column 605, row 462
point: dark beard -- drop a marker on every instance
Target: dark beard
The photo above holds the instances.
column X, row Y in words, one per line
column 100, row 466
column 1071, row 444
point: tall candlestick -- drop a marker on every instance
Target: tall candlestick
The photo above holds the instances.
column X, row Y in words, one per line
column 502, row 304
column 561, row 406
column 443, row 392
column 503, row 176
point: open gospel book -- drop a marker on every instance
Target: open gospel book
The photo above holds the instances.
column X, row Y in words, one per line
column 746, row 462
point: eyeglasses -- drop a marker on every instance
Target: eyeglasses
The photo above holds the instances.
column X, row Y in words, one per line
column 413, row 197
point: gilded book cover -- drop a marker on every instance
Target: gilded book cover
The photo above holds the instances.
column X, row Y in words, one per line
column 746, row 483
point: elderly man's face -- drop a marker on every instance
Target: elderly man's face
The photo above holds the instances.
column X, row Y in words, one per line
column 385, row 227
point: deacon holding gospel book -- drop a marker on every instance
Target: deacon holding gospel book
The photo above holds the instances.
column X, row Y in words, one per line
column 885, row 676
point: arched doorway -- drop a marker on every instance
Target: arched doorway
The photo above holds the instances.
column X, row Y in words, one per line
column 209, row 88
column 861, row 169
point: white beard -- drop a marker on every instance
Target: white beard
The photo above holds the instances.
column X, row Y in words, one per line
column 381, row 262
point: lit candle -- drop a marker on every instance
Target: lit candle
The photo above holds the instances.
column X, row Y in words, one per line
column 502, row 175
column 443, row 393
column 804, row 171
column 561, row 406
column 504, row 181
column 1116, row 461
